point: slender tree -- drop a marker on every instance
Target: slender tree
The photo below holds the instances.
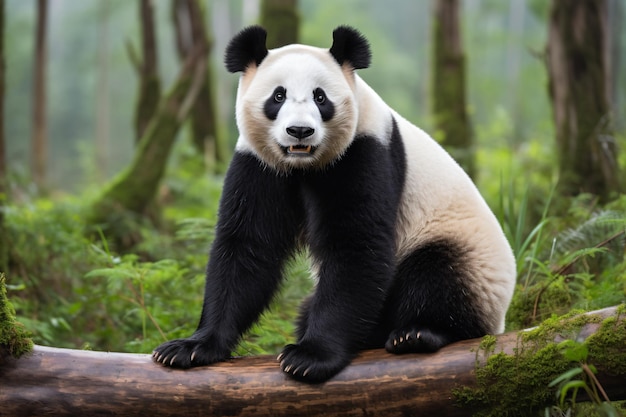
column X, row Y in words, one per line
column 147, row 70
column 102, row 103
column 449, row 103
column 135, row 188
column 39, row 139
column 189, row 24
column 282, row 21
column 4, row 247
column 578, row 70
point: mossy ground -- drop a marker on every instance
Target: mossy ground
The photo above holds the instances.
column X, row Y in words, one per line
column 518, row 384
column 14, row 339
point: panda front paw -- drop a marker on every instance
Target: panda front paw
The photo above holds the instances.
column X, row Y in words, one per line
column 310, row 363
column 187, row 353
column 414, row 339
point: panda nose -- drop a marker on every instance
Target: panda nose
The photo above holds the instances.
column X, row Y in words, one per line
column 300, row 132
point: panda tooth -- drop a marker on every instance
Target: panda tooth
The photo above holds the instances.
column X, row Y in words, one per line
column 300, row 149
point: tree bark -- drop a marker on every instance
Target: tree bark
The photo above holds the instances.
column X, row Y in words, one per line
column 449, row 103
column 189, row 24
column 282, row 21
column 149, row 83
column 39, row 139
column 136, row 187
column 577, row 56
column 4, row 244
column 72, row 382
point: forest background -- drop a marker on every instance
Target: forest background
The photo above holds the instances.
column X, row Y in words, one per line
column 83, row 274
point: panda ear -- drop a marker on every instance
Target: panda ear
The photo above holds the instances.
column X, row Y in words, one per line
column 350, row 47
column 245, row 48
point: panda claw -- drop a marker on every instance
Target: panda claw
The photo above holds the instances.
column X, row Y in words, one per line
column 401, row 339
column 172, row 360
column 193, row 355
column 408, row 336
column 279, row 358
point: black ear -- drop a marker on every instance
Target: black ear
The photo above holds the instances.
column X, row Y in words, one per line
column 245, row 48
column 349, row 46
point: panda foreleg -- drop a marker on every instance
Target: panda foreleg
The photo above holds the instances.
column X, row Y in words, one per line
column 255, row 234
column 351, row 236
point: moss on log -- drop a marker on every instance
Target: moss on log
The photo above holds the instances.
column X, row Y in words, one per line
column 71, row 382
column 14, row 339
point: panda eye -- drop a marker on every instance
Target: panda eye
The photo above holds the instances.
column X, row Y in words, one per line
column 279, row 95
column 319, row 96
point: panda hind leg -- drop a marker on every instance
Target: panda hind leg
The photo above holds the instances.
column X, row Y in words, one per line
column 430, row 303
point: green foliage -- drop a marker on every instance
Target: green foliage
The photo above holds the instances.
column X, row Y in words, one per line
column 571, row 261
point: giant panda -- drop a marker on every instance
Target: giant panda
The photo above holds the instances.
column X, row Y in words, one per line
column 406, row 254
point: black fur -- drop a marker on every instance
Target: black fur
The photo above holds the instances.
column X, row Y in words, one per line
column 247, row 47
column 429, row 304
column 349, row 46
column 324, row 104
column 273, row 104
column 259, row 219
column 347, row 216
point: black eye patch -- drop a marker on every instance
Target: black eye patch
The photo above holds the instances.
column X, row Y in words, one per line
column 275, row 102
column 323, row 103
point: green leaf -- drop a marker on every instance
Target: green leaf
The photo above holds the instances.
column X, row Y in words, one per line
column 572, row 385
column 566, row 376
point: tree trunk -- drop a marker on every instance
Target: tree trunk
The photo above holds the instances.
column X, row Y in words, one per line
column 147, row 69
column 449, row 104
column 4, row 244
column 136, row 187
column 39, row 139
column 515, row 52
column 72, row 382
column 190, row 31
column 282, row 21
column 617, row 82
column 102, row 98
column 577, row 56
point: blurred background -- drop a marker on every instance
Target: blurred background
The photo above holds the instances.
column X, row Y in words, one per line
column 92, row 84
column 118, row 125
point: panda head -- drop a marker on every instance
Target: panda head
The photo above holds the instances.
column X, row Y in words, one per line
column 296, row 105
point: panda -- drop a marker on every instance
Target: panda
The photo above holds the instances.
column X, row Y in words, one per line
column 405, row 252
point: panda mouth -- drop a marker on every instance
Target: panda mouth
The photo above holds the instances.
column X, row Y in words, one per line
column 299, row 150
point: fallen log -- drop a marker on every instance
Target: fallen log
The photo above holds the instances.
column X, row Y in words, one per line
column 53, row 381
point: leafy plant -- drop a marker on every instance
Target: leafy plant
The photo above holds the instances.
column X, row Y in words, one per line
column 581, row 377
